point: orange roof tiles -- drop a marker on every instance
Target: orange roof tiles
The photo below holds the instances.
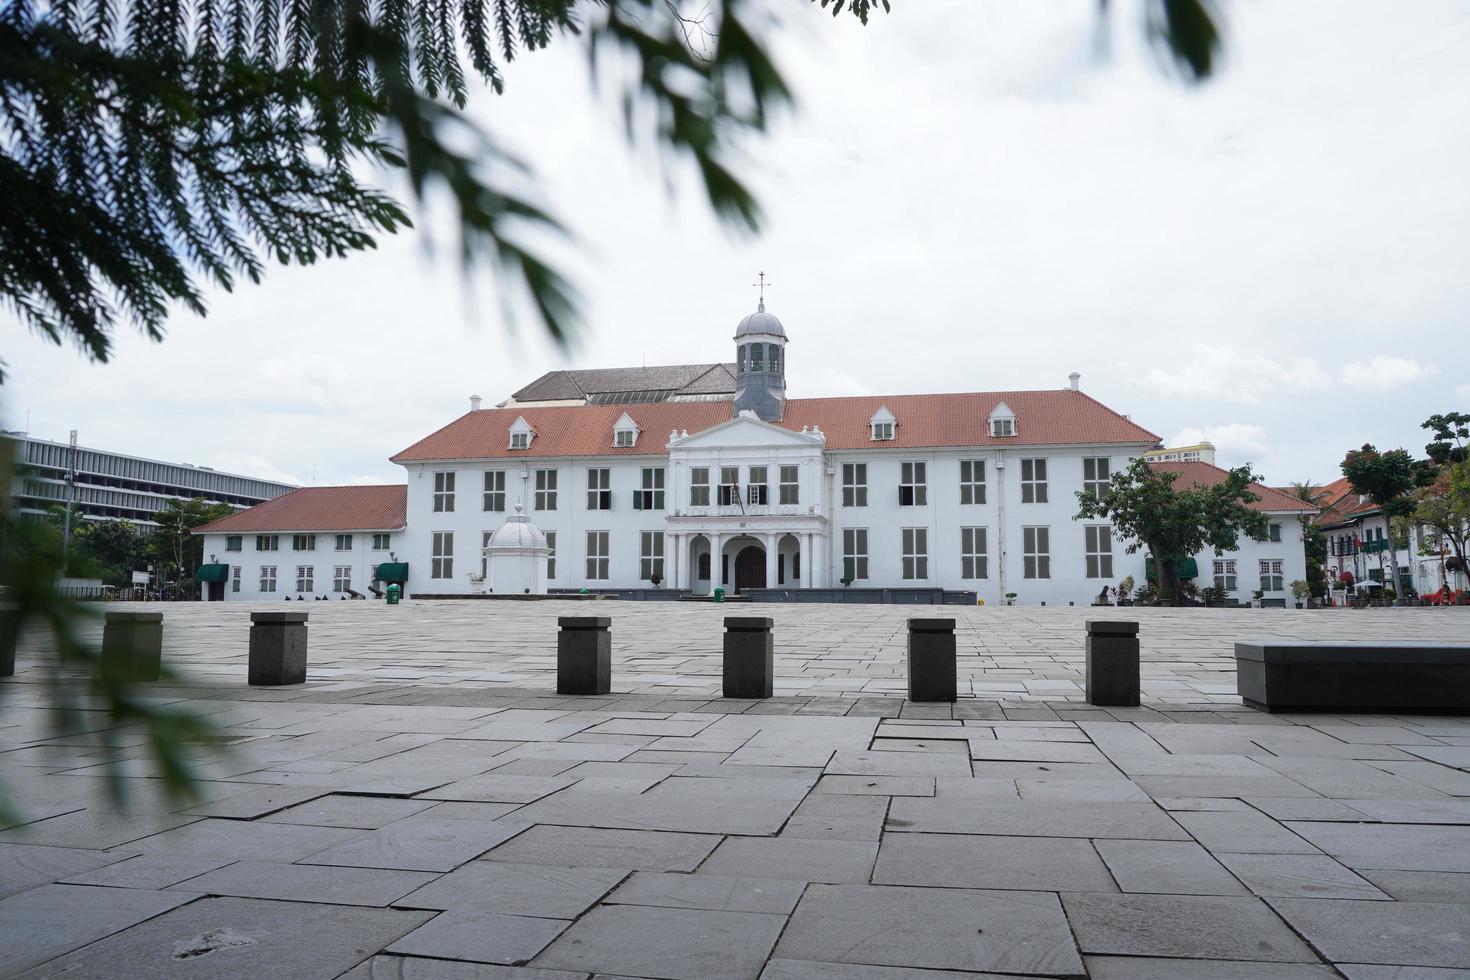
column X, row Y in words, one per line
column 368, row 508
column 1061, row 417
column 1206, row 475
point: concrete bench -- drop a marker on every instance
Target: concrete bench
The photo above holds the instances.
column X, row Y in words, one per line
column 1295, row 675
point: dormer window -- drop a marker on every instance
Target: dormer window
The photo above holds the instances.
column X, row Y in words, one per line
column 1002, row 422
column 521, row 434
column 625, row 432
column 882, row 425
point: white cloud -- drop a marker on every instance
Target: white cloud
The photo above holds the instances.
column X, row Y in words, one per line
column 1231, row 439
column 252, row 465
column 1228, row 374
column 1384, row 372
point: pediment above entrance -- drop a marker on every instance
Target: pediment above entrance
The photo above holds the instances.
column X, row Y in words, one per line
column 746, row 431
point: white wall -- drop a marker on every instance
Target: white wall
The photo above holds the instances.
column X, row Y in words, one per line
column 324, row 559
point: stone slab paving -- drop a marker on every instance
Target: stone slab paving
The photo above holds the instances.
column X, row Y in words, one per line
column 426, row 807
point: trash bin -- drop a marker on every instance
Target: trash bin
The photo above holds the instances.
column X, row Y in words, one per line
column 719, row 593
column 395, row 592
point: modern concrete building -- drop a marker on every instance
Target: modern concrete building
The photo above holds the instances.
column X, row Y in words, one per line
column 1200, row 452
column 113, row 486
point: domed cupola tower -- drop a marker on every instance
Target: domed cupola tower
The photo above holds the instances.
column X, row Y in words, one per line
column 760, row 365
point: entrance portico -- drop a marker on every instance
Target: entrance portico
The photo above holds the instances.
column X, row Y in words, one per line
column 741, row 558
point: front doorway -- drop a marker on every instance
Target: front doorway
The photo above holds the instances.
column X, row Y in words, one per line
column 750, row 568
column 216, row 591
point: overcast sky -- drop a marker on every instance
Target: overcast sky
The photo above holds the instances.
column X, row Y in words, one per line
column 970, row 196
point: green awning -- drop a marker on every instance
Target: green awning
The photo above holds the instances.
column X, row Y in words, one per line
column 1183, row 568
column 212, row 573
column 391, row 571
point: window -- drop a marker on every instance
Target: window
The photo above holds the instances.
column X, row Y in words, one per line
column 597, row 556
column 267, row 578
column 485, row 537
column 729, row 485
column 303, row 542
column 344, row 543
column 651, row 555
column 381, row 542
column 972, row 481
column 1033, row 481
column 855, row 553
column 740, row 359
column 756, row 359
column 854, row 484
column 1096, row 474
column 1036, row 552
column 915, row 552
column 1099, row 541
column 703, row 573
column 625, row 438
column 699, row 486
column 882, row 431
column 545, row 498
column 551, row 554
column 305, row 575
column 1000, row 428
column 341, row 578
column 442, row 563
column 774, row 357
column 520, row 440
column 1273, row 533
column 234, row 542
column 1271, row 575
column 235, row 578
column 974, row 562
column 443, row 493
column 756, row 490
column 912, row 488
column 791, row 485
column 1225, row 574
column 651, row 497
column 599, row 489
column 494, row 490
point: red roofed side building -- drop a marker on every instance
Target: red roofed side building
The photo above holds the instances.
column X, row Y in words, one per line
column 314, row 542
column 1360, row 545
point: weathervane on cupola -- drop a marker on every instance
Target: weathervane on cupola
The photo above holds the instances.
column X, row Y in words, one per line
column 760, row 362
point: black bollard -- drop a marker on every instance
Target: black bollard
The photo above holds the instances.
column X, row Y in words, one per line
column 277, row 648
column 750, row 654
column 584, row 655
column 1112, row 663
column 9, row 630
column 132, row 644
column 931, row 660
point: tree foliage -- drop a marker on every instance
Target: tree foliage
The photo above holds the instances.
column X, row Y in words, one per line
column 172, row 543
column 1175, row 523
column 1451, row 443
column 150, row 150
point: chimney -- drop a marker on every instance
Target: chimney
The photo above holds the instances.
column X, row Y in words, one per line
column 1076, row 379
column 475, row 403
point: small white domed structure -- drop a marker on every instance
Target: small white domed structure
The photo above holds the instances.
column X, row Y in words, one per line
column 515, row 558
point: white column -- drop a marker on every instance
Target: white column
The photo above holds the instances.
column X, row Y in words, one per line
column 671, row 560
column 772, row 540
column 808, row 559
column 716, row 544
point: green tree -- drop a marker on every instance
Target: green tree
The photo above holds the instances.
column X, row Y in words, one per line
column 158, row 145
column 1387, row 479
column 1444, row 507
column 1175, row 523
column 115, row 548
column 172, row 544
column 1451, row 443
column 1314, row 539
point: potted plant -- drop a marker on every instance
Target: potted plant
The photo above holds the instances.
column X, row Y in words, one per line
column 1387, row 596
column 846, row 581
column 1256, row 598
column 477, row 582
column 1145, row 595
column 1125, row 591
column 656, row 580
column 1301, row 591
column 1010, row 598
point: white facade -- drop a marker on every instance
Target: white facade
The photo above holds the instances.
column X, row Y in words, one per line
column 259, row 572
column 912, row 539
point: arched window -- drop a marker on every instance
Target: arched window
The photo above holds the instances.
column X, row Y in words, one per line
column 703, row 573
column 755, row 357
column 775, row 359
column 740, row 359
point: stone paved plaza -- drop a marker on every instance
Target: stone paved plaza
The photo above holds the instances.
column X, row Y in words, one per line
column 426, row 806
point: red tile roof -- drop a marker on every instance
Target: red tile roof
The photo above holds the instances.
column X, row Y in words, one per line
column 1340, row 504
column 368, row 508
column 1206, row 475
column 1062, row 417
